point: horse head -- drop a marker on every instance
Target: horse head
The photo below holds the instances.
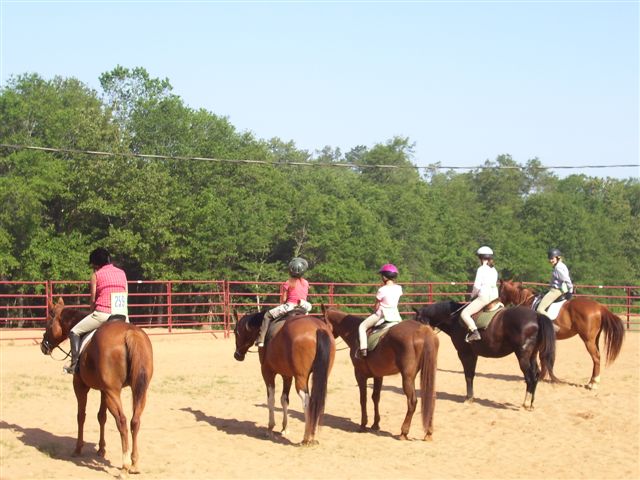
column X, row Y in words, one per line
column 246, row 332
column 54, row 333
column 514, row 293
column 438, row 315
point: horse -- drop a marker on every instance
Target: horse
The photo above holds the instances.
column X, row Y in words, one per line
column 407, row 348
column 303, row 345
column 516, row 330
column 118, row 355
column 578, row 316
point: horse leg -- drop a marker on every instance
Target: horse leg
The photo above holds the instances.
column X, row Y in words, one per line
column 529, row 367
column 375, row 396
column 303, row 392
column 102, row 419
column 114, row 404
column 270, row 382
column 81, row 391
column 362, row 386
column 284, row 401
column 138, row 406
column 469, row 362
column 409, row 387
column 594, row 351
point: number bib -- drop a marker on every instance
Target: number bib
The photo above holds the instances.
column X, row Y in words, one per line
column 119, row 304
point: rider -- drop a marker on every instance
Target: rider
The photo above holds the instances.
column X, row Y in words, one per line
column 560, row 281
column 105, row 280
column 385, row 308
column 294, row 294
column 484, row 291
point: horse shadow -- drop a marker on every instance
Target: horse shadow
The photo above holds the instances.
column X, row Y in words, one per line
column 56, row 447
column 339, row 423
column 495, row 376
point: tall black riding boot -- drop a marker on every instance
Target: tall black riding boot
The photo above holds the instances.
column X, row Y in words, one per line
column 74, row 339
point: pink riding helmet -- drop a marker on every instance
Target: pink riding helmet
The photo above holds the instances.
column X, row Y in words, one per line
column 389, row 268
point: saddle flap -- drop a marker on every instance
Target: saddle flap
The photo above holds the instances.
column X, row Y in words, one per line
column 377, row 333
column 484, row 317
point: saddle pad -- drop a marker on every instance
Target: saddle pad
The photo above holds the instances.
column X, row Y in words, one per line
column 276, row 324
column 553, row 310
column 483, row 319
column 86, row 339
column 378, row 332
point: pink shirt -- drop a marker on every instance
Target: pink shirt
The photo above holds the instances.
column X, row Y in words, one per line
column 109, row 279
column 298, row 291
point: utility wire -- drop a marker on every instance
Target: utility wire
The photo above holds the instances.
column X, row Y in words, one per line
column 304, row 164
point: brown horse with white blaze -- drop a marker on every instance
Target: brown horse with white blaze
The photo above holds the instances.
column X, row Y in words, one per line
column 302, row 346
column 578, row 316
column 407, row 348
column 118, row 355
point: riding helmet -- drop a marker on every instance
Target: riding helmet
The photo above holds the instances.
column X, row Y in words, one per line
column 553, row 253
column 297, row 266
column 485, row 252
column 389, row 270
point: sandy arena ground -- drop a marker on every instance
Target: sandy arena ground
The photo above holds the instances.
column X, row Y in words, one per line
column 206, row 418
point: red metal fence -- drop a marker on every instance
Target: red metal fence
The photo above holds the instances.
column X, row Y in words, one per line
column 180, row 307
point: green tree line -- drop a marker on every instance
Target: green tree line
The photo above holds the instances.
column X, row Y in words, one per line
column 181, row 218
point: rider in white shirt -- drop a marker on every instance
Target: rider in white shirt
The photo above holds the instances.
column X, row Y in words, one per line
column 484, row 291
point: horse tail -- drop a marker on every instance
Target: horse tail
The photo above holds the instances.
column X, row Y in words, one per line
column 139, row 366
column 428, row 369
column 320, row 369
column 547, row 343
column 613, row 328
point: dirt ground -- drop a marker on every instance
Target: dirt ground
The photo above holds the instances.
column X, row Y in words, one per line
column 206, row 418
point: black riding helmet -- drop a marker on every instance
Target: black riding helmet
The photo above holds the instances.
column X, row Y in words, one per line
column 553, row 253
column 297, row 267
column 99, row 257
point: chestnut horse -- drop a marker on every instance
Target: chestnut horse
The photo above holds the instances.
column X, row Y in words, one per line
column 406, row 348
column 303, row 345
column 517, row 330
column 578, row 316
column 118, row 355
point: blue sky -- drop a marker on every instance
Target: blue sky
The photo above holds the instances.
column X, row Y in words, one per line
column 465, row 81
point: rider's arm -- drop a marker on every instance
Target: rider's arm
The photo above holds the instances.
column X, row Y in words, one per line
column 92, row 285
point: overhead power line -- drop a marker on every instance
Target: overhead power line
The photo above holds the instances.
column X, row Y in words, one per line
column 304, row 164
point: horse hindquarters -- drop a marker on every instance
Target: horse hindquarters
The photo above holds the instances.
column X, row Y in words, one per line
column 428, row 381
column 320, row 368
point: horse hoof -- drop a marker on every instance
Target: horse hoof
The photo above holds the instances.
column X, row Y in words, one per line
column 375, row 427
column 591, row 386
column 468, row 400
column 309, row 443
column 363, row 428
column 428, row 438
column 101, row 452
column 284, row 433
column 134, row 469
column 403, row 436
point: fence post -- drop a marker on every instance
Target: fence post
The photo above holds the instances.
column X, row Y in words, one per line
column 628, row 289
column 331, row 294
column 430, row 296
column 226, row 308
column 169, row 306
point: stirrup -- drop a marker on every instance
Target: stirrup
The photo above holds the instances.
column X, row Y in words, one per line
column 72, row 369
column 361, row 354
column 472, row 336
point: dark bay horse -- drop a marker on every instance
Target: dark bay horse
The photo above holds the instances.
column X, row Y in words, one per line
column 118, row 355
column 407, row 348
column 516, row 330
column 304, row 345
column 578, row 316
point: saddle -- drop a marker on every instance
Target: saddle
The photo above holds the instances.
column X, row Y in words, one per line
column 276, row 324
column 117, row 317
column 483, row 318
column 377, row 333
column 554, row 309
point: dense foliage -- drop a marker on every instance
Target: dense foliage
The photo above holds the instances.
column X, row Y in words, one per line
column 202, row 219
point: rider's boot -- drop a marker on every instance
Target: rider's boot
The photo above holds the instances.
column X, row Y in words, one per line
column 473, row 336
column 74, row 339
column 263, row 330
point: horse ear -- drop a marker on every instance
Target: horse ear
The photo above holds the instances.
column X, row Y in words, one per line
column 60, row 301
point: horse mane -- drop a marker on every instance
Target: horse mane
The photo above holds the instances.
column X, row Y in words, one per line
column 520, row 293
column 445, row 307
column 254, row 320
